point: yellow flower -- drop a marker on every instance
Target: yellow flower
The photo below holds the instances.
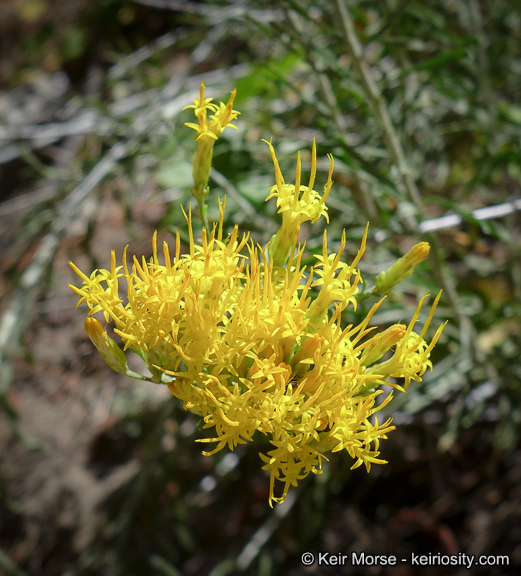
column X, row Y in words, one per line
column 411, row 357
column 207, row 133
column 297, row 204
column 252, row 340
column 222, row 116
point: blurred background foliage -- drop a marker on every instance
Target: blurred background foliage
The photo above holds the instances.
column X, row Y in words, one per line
column 420, row 106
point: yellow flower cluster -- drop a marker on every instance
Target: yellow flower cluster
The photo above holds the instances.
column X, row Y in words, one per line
column 207, row 134
column 252, row 340
column 223, row 115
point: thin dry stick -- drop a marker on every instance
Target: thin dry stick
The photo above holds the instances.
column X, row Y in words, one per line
column 452, row 220
column 85, row 123
column 133, row 60
column 377, row 102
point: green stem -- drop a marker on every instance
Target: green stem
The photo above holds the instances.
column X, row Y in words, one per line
column 203, row 213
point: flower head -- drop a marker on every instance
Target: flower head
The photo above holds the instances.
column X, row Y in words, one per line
column 252, row 339
column 252, row 352
column 222, row 115
column 297, row 204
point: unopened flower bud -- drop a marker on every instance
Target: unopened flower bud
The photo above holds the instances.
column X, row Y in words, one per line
column 383, row 342
column 106, row 346
column 402, row 268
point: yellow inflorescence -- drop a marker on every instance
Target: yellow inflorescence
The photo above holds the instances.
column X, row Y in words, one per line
column 223, row 115
column 207, row 133
column 255, row 345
